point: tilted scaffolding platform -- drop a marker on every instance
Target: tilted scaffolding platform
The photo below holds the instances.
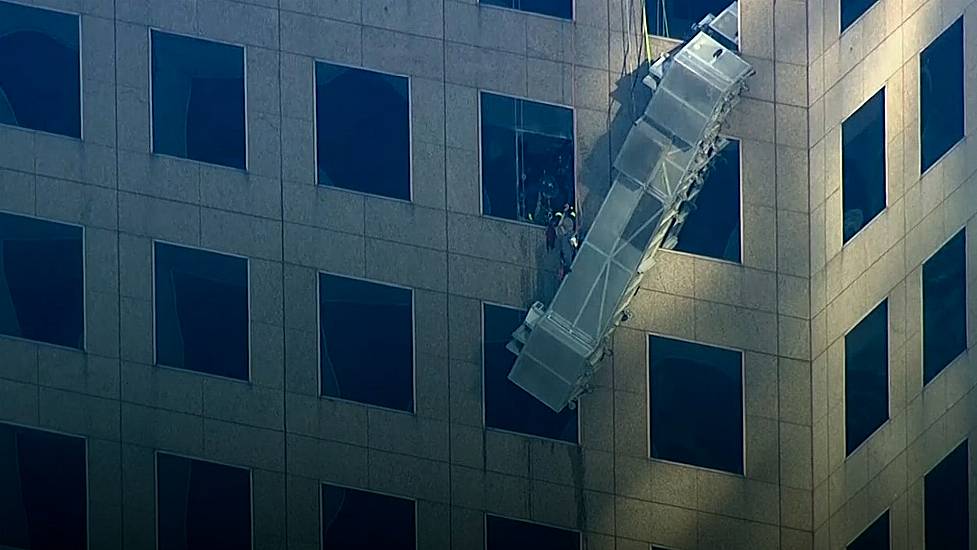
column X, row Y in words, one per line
column 660, row 169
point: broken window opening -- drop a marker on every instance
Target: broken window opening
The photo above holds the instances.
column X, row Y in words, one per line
column 527, row 159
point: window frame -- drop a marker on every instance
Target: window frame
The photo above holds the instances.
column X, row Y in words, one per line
column 885, row 171
column 247, row 128
column 321, row 484
column 157, row 452
column 922, row 308
column 841, row 23
column 871, row 522
column 742, row 247
column 318, row 326
column 247, row 262
column 965, row 441
column 81, row 75
column 571, row 19
column 648, row 335
column 478, row 131
column 481, row 347
column 88, row 478
column 647, row 30
column 919, row 95
column 84, row 284
column 410, row 130
column 888, row 376
column 486, row 514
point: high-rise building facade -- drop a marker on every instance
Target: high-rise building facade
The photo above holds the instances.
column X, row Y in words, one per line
column 259, row 261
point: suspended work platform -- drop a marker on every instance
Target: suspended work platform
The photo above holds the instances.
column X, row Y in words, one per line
column 659, row 171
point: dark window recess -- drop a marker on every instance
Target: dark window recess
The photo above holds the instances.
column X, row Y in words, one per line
column 674, row 18
column 713, row 227
column 944, row 306
column 941, row 95
column 874, row 537
column 696, row 404
column 867, row 376
column 40, row 75
column 507, row 534
column 42, row 295
column 527, row 159
column 198, row 99
column 507, row 406
column 43, row 490
column 863, row 165
column 374, row 366
column 556, row 8
column 947, row 502
column 202, row 505
column 358, row 520
column 852, row 10
column 363, row 130
column 202, row 311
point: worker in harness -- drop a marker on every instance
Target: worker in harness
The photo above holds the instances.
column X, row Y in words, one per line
column 562, row 233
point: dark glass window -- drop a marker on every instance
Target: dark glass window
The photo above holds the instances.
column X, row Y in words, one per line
column 867, row 376
column 202, row 505
column 366, row 342
column 674, row 18
column 527, row 158
column 359, row 520
column 43, row 490
column 863, row 165
column 944, row 306
column 198, row 99
column 947, row 502
column 713, row 226
column 42, row 294
column 508, row 534
column 941, row 95
column 507, row 406
column 202, row 311
column 557, row 8
column 40, row 75
column 696, row 404
column 363, row 130
column 875, row 537
column 852, row 10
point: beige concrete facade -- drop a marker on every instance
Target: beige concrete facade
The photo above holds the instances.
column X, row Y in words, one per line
column 787, row 306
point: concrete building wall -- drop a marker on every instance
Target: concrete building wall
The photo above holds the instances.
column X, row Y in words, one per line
column 786, row 306
column 884, row 261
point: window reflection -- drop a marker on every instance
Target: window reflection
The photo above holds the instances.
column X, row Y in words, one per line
column 941, row 115
column 201, row 307
column 863, row 165
column 40, row 76
column 202, row 505
column 507, row 406
column 696, row 404
column 556, row 8
column 198, row 99
column 713, row 227
column 42, row 294
column 675, row 18
column 866, row 377
column 363, row 130
column 374, row 366
column 507, row 534
column 43, row 490
column 944, row 306
column 350, row 520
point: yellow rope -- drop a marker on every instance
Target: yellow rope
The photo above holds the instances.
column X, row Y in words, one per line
column 644, row 27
